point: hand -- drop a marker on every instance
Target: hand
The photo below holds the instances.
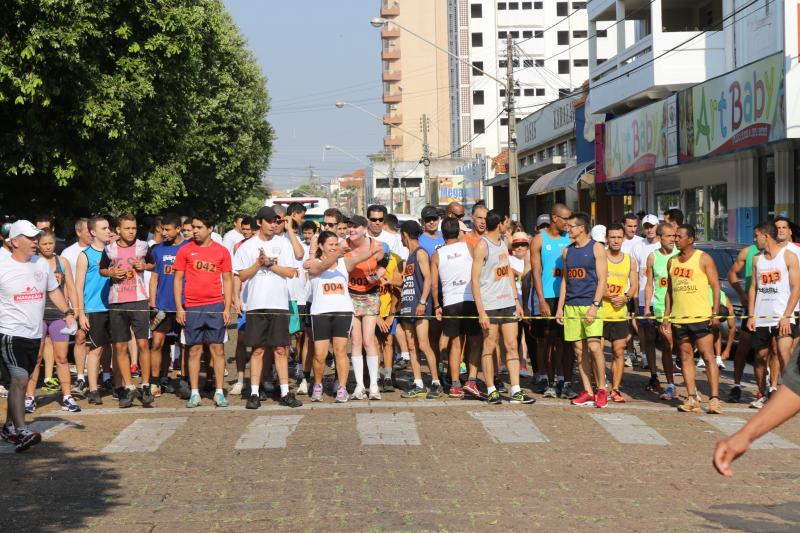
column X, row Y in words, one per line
column 647, row 311
column 383, row 326
column 180, row 317
column 483, row 320
column 420, row 309
column 727, row 451
column 236, row 304
column 784, row 327
column 439, row 314
column 751, row 324
column 665, row 326
column 226, row 316
column 518, row 309
column 288, row 220
column 714, row 322
column 591, row 313
column 545, row 308
column 69, row 320
column 560, row 317
column 618, row 301
column 83, row 321
column 138, row 265
column 307, row 264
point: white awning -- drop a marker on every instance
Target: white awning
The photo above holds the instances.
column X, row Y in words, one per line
column 559, row 179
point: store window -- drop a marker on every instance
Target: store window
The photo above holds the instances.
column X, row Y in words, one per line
column 667, row 201
column 718, row 212
column 694, row 212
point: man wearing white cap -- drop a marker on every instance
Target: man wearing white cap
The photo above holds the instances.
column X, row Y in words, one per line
column 599, row 233
column 647, row 327
column 24, row 280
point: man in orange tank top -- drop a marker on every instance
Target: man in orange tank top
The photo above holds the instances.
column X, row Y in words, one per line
column 478, row 226
column 687, row 294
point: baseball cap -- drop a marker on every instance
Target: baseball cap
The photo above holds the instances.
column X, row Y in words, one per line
column 520, row 236
column 429, row 212
column 650, row 219
column 599, row 233
column 23, row 227
column 266, row 213
column 463, row 227
column 357, row 220
column 542, row 220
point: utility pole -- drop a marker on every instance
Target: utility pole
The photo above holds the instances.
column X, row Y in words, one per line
column 432, row 196
column 312, row 179
column 391, row 179
column 513, row 177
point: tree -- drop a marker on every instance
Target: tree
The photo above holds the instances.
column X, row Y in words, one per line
column 308, row 189
column 141, row 105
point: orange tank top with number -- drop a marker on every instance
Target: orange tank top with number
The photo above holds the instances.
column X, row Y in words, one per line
column 363, row 278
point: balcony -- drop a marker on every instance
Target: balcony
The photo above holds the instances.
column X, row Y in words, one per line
column 392, row 98
column 392, row 33
column 389, row 54
column 390, row 9
column 392, row 142
column 391, row 75
column 392, row 120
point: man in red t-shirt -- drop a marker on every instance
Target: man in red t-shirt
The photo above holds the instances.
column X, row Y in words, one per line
column 203, row 286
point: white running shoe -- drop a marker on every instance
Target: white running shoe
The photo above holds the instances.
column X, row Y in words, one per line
column 359, row 393
column 3, row 392
column 628, row 361
column 701, row 363
column 303, row 387
column 236, row 390
column 374, row 392
column 720, row 363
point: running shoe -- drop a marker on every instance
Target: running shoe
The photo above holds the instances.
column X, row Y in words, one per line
column 8, row 433
column 262, row 394
column 299, row 375
column 156, row 390
column 735, row 395
column 759, row 402
column 302, row 388
column 720, row 363
column 79, row 388
column 268, row 387
column 359, row 393
column 435, row 391
column 645, row 365
column 387, row 384
column 3, row 392
column 400, row 364
column 501, row 386
column 147, row 395
column 236, row 390
column 30, row 404
column 341, row 395
column 108, row 385
column 568, row 393
column 542, row 384
column 628, row 361
column 253, row 402
column 471, row 388
column 316, row 393
column 69, row 404
column 677, row 367
column 51, row 385
column 714, row 407
column 219, row 399
column 691, row 405
column 494, row 398
column 521, row 397
column 616, row 396
column 550, row 392
column 601, row 398
column 290, row 401
column 194, row 401
column 654, row 385
column 456, row 392
column 25, row 438
column 165, row 384
column 559, row 387
column 670, row 393
column 502, row 370
column 700, row 363
column 126, row 398
column 184, row 391
column 135, row 370
column 414, row 392
column 94, row 398
column 462, row 368
column 374, row 392
column 583, row 399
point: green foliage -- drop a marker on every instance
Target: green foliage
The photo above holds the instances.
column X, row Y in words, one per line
column 307, row 189
column 141, row 105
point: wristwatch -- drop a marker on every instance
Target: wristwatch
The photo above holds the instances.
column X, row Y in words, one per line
column 596, row 303
column 69, row 312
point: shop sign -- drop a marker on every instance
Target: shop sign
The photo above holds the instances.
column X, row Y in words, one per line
column 451, row 189
column 743, row 108
column 620, row 188
column 551, row 122
column 642, row 140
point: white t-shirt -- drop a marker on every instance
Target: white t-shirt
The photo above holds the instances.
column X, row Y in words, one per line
column 265, row 290
column 216, row 237
column 71, row 254
column 518, row 265
column 629, row 244
column 392, row 240
column 329, row 291
column 23, row 293
column 640, row 254
column 231, row 238
column 4, row 252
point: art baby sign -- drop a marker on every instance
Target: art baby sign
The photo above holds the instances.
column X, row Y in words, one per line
column 743, row 108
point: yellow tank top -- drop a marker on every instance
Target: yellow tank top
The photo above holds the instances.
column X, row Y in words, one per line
column 618, row 282
column 689, row 290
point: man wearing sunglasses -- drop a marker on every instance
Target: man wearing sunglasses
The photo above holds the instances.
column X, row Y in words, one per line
column 376, row 214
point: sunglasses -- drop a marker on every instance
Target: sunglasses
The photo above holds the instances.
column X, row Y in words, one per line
column 520, row 245
column 376, row 219
column 459, row 216
column 329, row 224
column 431, row 219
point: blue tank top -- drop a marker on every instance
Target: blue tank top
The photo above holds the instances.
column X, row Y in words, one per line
column 413, row 282
column 552, row 264
column 581, row 274
column 96, row 287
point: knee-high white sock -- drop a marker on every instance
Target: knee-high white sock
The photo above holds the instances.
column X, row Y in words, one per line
column 372, row 367
column 358, row 369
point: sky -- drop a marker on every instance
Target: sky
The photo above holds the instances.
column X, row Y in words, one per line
column 313, row 53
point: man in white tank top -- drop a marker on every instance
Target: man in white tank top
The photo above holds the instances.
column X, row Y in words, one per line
column 452, row 266
column 774, row 294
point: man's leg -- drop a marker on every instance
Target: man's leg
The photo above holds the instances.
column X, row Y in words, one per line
column 705, row 346
column 760, row 369
column 598, row 360
column 584, row 364
column 454, row 358
column 79, row 351
column 195, row 355
column 510, row 332
column 218, row 362
column 256, row 368
column 784, row 345
column 421, row 329
column 146, row 362
column 122, row 362
column 740, row 359
column 487, row 355
column 617, row 362
column 156, row 359
column 411, row 344
column 281, row 354
column 94, row 356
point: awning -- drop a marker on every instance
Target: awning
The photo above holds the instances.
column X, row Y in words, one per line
column 559, row 179
column 500, row 180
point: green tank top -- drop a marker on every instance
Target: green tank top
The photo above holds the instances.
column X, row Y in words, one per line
column 752, row 250
column 660, row 281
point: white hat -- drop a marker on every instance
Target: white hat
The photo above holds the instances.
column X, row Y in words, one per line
column 23, row 227
column 599, row 233
column 650, row 219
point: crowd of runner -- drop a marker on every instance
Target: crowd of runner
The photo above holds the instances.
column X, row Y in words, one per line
column 299, row 298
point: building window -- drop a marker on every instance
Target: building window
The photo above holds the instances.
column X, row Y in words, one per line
column 527, row 63
column 563, row 66
column 563, row 37
column 602, row 33
column 580, row 62
column 527, row 34
column 564, row 93
column 513, row 5
column 562, row 9
column 601, row 60
column 538, row 5
column 502, row 34
column 502, row 64
column 502, row 93
column 477, row 68
column 476, row 11
column 477, row 97
column 477, row 39
column 501, row 6
column 578, row 5
column 527, row 5
column 504, row 121
column 539, row 62
column 528, row 92
column 514, row 34
column 478, row 126
column 538, row 34
column 540, row 91
column 580, row 34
